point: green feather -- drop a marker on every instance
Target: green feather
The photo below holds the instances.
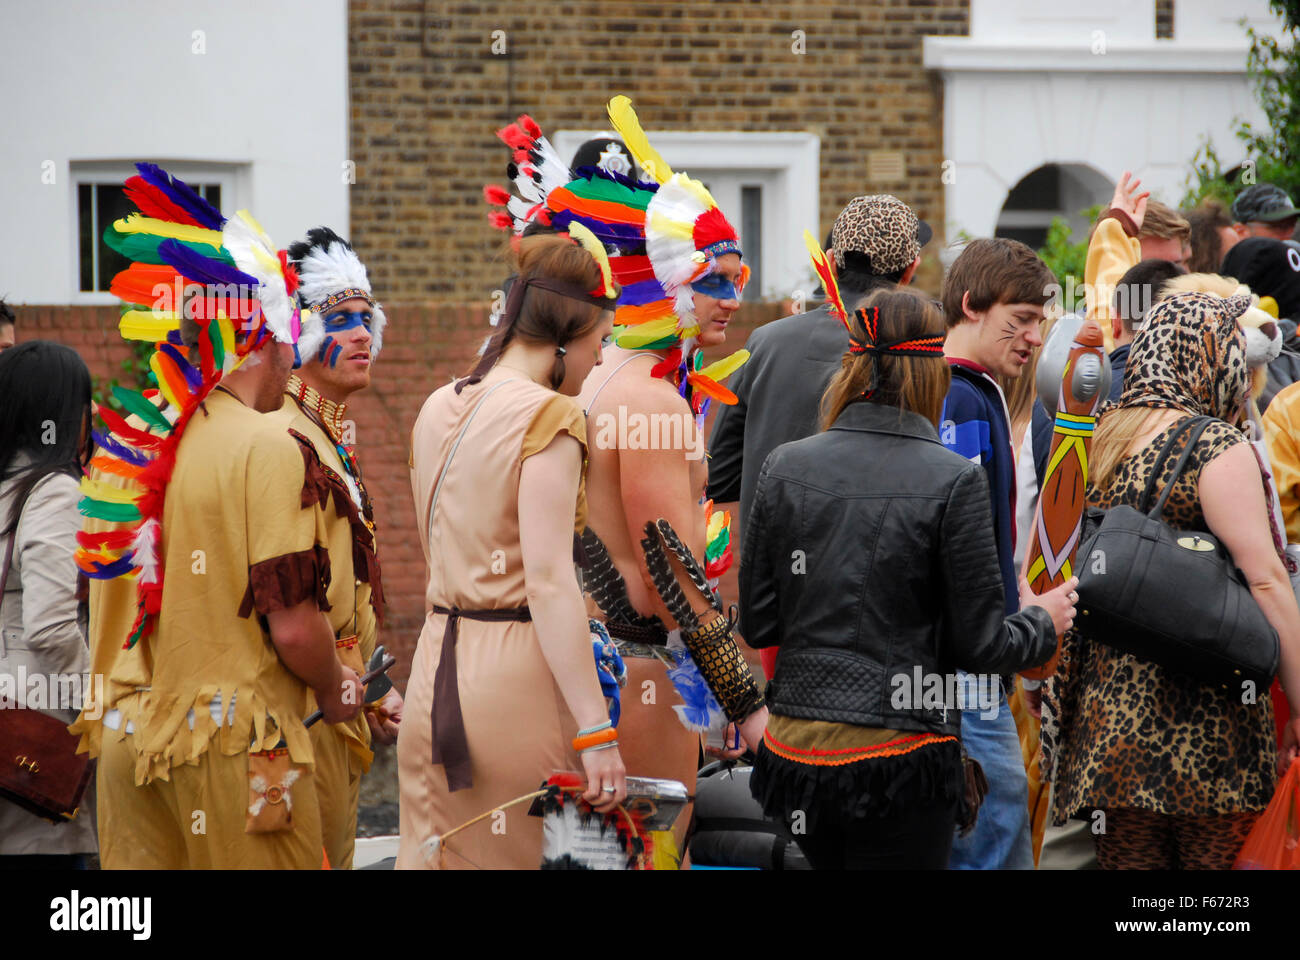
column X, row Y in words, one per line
column 142, row 408
column 143, row 247
column 218, row 346
column 115, row 512
column 598, row 188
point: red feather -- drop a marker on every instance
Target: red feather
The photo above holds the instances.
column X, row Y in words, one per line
column 669, row 363
column 290, row 274
column 710, row 227
column 109, row 540
column 125, row 431
column 514, row 136
column 823, row 269
column 530, row 125
column 500, row 220
column 152, row 202
column 207, row 360
column 498, row 196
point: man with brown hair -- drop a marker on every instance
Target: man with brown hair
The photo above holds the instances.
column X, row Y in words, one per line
column 1212, row 236
column 993, row 303
column 1165, row 235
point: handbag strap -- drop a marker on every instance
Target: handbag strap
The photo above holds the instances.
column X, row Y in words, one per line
column 1197, row 425
column 9, row 556
column 442, row 474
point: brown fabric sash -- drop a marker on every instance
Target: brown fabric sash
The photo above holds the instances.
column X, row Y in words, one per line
column 450, row 747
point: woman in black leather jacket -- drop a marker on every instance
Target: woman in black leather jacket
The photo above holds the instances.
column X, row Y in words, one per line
column 869, row 560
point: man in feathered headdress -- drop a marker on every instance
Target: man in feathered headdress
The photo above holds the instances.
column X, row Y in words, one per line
column 204, row 758
column 339, row 344
column 652, row 549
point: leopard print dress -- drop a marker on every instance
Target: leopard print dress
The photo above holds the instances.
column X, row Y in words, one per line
column 1122, row 732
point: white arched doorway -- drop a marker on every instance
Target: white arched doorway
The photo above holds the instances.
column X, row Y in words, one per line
column 1052, row 190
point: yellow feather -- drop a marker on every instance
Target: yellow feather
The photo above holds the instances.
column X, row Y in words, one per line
column 675, row 228
column 596, row 249
column 138, row 223
column 699, row 191
column 98, row 490
column 144, row 325
column 624, row 119
column 163, row 386
column 725, row 367
column 644, row 333
column 716, row 522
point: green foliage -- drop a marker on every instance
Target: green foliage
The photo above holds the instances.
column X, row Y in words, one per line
column 135, row 374
column 1066, row 258
column 1273, row 151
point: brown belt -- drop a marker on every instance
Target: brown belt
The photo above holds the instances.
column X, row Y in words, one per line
column 450, row 747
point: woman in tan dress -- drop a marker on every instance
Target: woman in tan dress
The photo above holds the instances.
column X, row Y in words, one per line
column 503, row 677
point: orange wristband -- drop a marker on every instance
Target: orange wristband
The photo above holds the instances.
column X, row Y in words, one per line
column 608, row 735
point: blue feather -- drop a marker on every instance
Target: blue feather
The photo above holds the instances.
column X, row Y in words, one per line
column 699, row 709
column 120, row 450
column 181, row 194
column 192, row 376
column 203, row 269
column 110, row 571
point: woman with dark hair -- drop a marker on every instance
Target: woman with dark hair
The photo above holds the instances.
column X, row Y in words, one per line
column 869, row 561
column 503, row 689
column 44, row 445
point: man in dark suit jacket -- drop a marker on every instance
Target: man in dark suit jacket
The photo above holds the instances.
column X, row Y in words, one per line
column 876, row 242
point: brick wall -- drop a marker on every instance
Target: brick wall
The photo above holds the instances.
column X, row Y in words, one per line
column 428, row 93
column 424, row 346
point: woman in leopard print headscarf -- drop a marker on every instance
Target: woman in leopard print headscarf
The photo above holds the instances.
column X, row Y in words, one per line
column 1180, row 768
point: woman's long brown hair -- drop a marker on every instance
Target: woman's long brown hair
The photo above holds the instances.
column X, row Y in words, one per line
column 918, row 384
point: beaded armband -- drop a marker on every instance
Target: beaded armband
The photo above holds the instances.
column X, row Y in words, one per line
column 719, row 660
column 711, row 644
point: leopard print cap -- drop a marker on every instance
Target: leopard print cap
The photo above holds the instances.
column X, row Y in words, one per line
column 881, row 226
column 1190, row 355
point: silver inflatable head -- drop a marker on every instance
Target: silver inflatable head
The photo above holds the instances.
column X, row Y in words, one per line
column 1090, row 378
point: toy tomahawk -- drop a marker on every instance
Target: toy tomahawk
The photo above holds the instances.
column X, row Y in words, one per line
column 1073, row 381
column 377, row 683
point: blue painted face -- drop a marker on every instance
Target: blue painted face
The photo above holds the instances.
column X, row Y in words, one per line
column 717, row 286
column 338, row 323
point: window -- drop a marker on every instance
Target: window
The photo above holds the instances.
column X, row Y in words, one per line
column 767, row 184
column 1052, row 190
column 97, row 199
column 98, row 205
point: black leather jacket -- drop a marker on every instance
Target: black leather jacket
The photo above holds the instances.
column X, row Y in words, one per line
column 869, row 553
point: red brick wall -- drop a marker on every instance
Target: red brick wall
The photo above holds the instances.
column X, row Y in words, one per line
column 424, row 346
column 428, row 93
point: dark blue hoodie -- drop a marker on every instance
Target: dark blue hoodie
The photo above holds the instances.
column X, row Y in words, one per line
column 975, row 425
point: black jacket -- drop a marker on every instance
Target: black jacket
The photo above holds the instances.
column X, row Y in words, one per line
column 778, row 391
column 868, row 553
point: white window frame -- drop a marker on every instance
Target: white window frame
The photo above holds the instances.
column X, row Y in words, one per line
column 792, row 160
column 232, row 177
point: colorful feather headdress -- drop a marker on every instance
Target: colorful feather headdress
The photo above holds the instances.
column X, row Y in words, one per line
column 329, row 272
column 225, row 274
column 664, row 234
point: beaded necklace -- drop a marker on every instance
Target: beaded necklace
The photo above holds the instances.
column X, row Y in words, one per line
column 328, row 415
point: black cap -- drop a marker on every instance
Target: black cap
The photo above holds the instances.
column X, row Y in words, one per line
column 607, row 153
column 1271, row 268
column 1263, row 202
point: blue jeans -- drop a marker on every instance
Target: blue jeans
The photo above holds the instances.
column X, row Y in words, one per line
column 1000, row 840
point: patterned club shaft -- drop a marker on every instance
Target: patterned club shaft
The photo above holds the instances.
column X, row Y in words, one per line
column 1058, row 522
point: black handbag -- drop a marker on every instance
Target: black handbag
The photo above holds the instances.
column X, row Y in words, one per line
column 1172, row 597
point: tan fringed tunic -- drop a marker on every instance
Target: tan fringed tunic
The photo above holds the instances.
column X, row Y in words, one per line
column 516, row 724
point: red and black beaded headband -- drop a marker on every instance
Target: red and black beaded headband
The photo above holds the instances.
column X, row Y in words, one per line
column 336, row 298
column 931, row 346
